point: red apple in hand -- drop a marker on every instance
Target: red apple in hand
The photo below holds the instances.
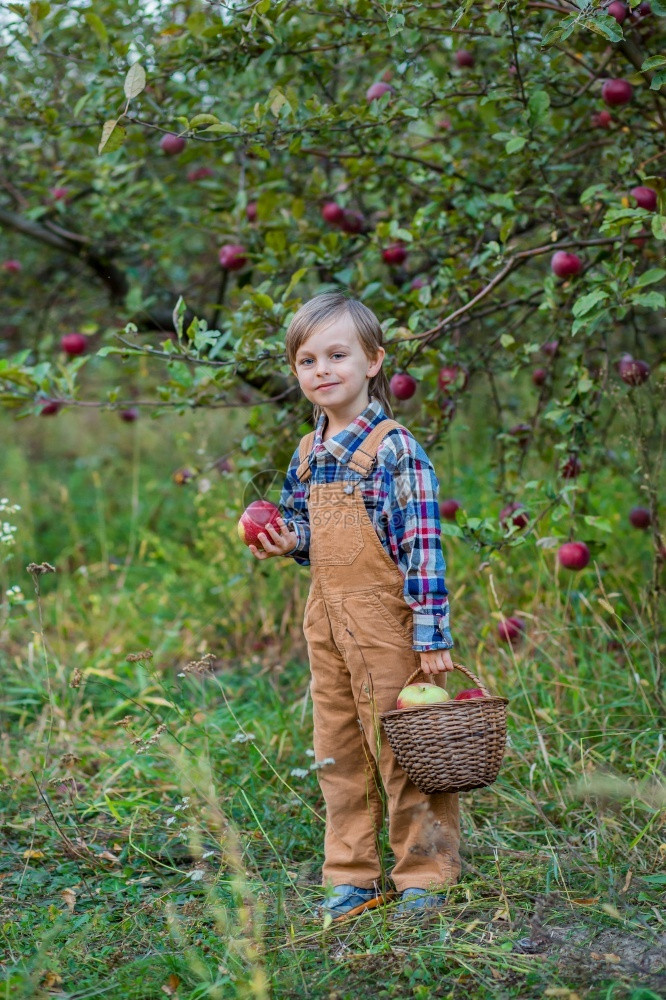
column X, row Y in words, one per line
column 254, row 520
column 470, row 693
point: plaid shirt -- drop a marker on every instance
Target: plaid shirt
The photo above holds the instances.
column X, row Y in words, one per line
column 400, row 496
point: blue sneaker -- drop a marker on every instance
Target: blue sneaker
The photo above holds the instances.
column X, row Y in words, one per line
column 348, row 901
column 417, row 901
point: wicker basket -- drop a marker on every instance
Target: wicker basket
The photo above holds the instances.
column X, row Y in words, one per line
column 452, row 747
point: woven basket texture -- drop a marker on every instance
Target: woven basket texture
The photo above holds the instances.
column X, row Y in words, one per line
column 452, row 747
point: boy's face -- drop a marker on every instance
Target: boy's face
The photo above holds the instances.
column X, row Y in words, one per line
column 334, row 371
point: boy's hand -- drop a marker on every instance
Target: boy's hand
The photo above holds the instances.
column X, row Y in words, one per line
column 275, row 543
column 435, row 661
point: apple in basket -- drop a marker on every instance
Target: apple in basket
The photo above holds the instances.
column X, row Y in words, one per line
column 421, row 694
column 254, row 520
column 470, row 693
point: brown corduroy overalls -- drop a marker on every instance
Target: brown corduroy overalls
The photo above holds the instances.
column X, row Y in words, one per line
column 358, row 628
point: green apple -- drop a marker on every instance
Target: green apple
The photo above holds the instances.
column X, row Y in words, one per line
column 422, row 694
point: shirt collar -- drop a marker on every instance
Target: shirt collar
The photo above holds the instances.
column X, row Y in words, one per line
column 343, row 445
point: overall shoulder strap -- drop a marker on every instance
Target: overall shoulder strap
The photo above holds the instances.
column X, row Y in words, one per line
column 364, row 458
column 303, row 472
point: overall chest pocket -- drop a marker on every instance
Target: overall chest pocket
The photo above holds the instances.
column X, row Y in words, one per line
column 336, row 538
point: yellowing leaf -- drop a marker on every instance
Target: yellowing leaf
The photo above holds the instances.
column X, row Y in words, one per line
column 31, row 855
column 135, row 80
column 586, row 900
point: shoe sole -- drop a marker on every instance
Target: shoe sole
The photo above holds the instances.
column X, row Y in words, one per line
column 371, row 904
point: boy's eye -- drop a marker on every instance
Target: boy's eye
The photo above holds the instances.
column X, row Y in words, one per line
column 337, row 354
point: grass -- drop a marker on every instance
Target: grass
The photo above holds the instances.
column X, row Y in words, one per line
column 143, row 862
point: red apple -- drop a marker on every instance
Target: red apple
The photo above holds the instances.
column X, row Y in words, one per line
column 74, row 343
column 511, row 629
column 464, row 58
column 633, row 372
column 573, row 555
column 602, row 119
column 565, row 264
column 395, row 255
column 550, row 348
column 12, row 266
column 470, row 693
column 59, row 193
column 254, row 520
column 129, row 415
column 333, row 213
column 448, row 508
column 377, row 90
column 539, row 376
column 402, row 385
column 251, row 211
column 50, row 407
column 172, row 144
column 445, row 124
column 417, row 283
column 616, row 92
column 200, row 174
column 640, row 517
column 232, row 256
column 520, row 518
column 352, row 221
column 571, row 468
column 618, row 10
column 452, row 375
column 644, row 197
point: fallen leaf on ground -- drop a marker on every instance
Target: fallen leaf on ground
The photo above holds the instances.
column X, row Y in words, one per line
column 69, row 898
column 31, row 855
column 587, row 900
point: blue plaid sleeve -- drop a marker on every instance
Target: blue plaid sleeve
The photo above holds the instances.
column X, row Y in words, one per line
column 415, row 526
column 294, row 509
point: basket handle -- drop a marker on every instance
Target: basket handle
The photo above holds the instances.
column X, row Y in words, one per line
column 458, row 666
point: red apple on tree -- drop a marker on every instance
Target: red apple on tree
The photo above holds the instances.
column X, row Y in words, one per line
column 565, row 264
column 550, row 348
column 402, row 385
column 511, row 629
column 464, row 59
column 417, row 283
column 254, row 520
column 74, row 343
column 377, row 90
column 616, row 92
column 172, row 144
column 232, row 256
column 11, row 266
column 352, row 221
column 200, row 174
column 448, row 508
column 59, row 193
column 633, row 371
column 333, row 213
column 645, row 197
column 395, row 255
column 618, row 10
column 251, row 211
column 571, row 468
column 50, row 408
column 602, row 119
column 539, row 376
column 129, row 415
column 452, row 375
column 573, row 555
column 517, row 512
column 640, row 517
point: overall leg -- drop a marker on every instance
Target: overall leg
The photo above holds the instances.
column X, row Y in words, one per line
column 350, row 786
column 424, row 830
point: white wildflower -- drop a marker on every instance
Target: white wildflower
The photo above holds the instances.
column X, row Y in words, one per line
column 241, row 737
column 299, row 772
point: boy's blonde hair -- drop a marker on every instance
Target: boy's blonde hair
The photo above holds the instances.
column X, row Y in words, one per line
column 326, row 308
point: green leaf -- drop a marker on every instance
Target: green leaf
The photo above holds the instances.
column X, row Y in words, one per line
column 263, row 6
column 113, row 136
column 203, row 120
column 649, row 277
column 516, row 144
column 538, row 104
column 598, row 522
column 135, row 81
column 448, row 528
column 659, row 226
column 586, row 303
column 196, row 23
column 604, row 24
column 650, row 300
column 506, row 340
column 653, row 62
column 222, row 128
column 657, row 80
column 395, row 23
column 658, row 7
column 97, row 26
